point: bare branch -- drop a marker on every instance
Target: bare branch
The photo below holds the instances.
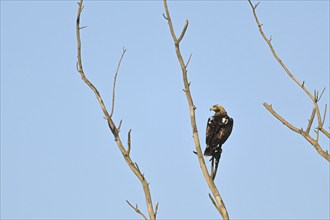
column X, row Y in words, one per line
column 121, row 121
column 114, row 83
column 136, row 208
column 286, row 123
column 312, row 141
column 137, row 166
column 256, row 5
column 322, row 129
column 213, row 202
column 319, row 98
column 219, row 203
column 82, row 74
column 113, row 128
column 275, row 54
column 183, row 31
column 310, row 122
column 315, row 98
column 129, row 142
column 188, row 62
column 156, row 208
column 165, row 16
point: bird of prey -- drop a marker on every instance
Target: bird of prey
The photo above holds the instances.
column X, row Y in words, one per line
column 218, row 129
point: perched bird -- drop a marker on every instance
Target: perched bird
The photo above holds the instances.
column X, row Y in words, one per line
column 218, row 129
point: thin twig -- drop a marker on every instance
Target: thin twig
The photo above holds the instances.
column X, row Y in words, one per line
column 281, row 119
column 156, row 208
column 310, row 122
column 136, row 208
column 315, row 98
column 111, row 124
column 129, row 142
column 321, row 128
column 219, row 203
column 188, row 61
column 319, row 98
column 213, row 202
column 268, row 41
column 165, row 16
column 119, row 126
column 311, row 140
column 114, row 83
column 325, row 112
column 183, row 31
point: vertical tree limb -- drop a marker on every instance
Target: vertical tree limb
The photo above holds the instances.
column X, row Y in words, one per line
column 314, row 98
column 219, row 204
column 112, row 126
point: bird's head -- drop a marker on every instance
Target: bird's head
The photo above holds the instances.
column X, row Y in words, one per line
column 218, row 108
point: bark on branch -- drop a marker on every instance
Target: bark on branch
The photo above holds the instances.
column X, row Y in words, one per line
column 314, row 98
column 218, row 202
column 114, row 129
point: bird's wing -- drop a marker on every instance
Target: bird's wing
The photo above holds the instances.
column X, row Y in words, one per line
column 213, row 126
column 225, row 128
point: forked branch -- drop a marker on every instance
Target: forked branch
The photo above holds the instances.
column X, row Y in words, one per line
column 220, row 206
column 314, row 98
column 136, row 208
column 114, row 129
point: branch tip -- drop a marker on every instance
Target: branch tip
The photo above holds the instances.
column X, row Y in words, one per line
column 129, row 142
column 137, row 210
column 310, row 122
column 115, row 81
column 119, row 126
column 321, row 94
column 183, row 31
column 165, row 16
column 137, row 166
column 325, row 112
column 156, row 209
column 188, row 61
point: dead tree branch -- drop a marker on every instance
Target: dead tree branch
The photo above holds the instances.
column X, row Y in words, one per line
column 314, row 98
column 218, row 200
column 112, row 126
column 114, row 83
column 136, row 208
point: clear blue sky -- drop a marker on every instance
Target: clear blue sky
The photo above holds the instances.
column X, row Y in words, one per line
column 59, row 159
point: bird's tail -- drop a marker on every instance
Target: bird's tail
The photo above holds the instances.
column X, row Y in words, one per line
column 215, row 161
column 215, row 152
column 208, row 151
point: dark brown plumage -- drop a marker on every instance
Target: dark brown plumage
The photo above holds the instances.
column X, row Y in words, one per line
column 218, row 129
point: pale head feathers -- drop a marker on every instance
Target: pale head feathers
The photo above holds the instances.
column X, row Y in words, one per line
column 218, row 108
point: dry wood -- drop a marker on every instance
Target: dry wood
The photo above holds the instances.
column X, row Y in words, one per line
column 314, row 98
column 217, row 202
column 115, row 130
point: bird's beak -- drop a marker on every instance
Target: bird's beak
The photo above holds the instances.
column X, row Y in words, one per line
column 212, row 108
